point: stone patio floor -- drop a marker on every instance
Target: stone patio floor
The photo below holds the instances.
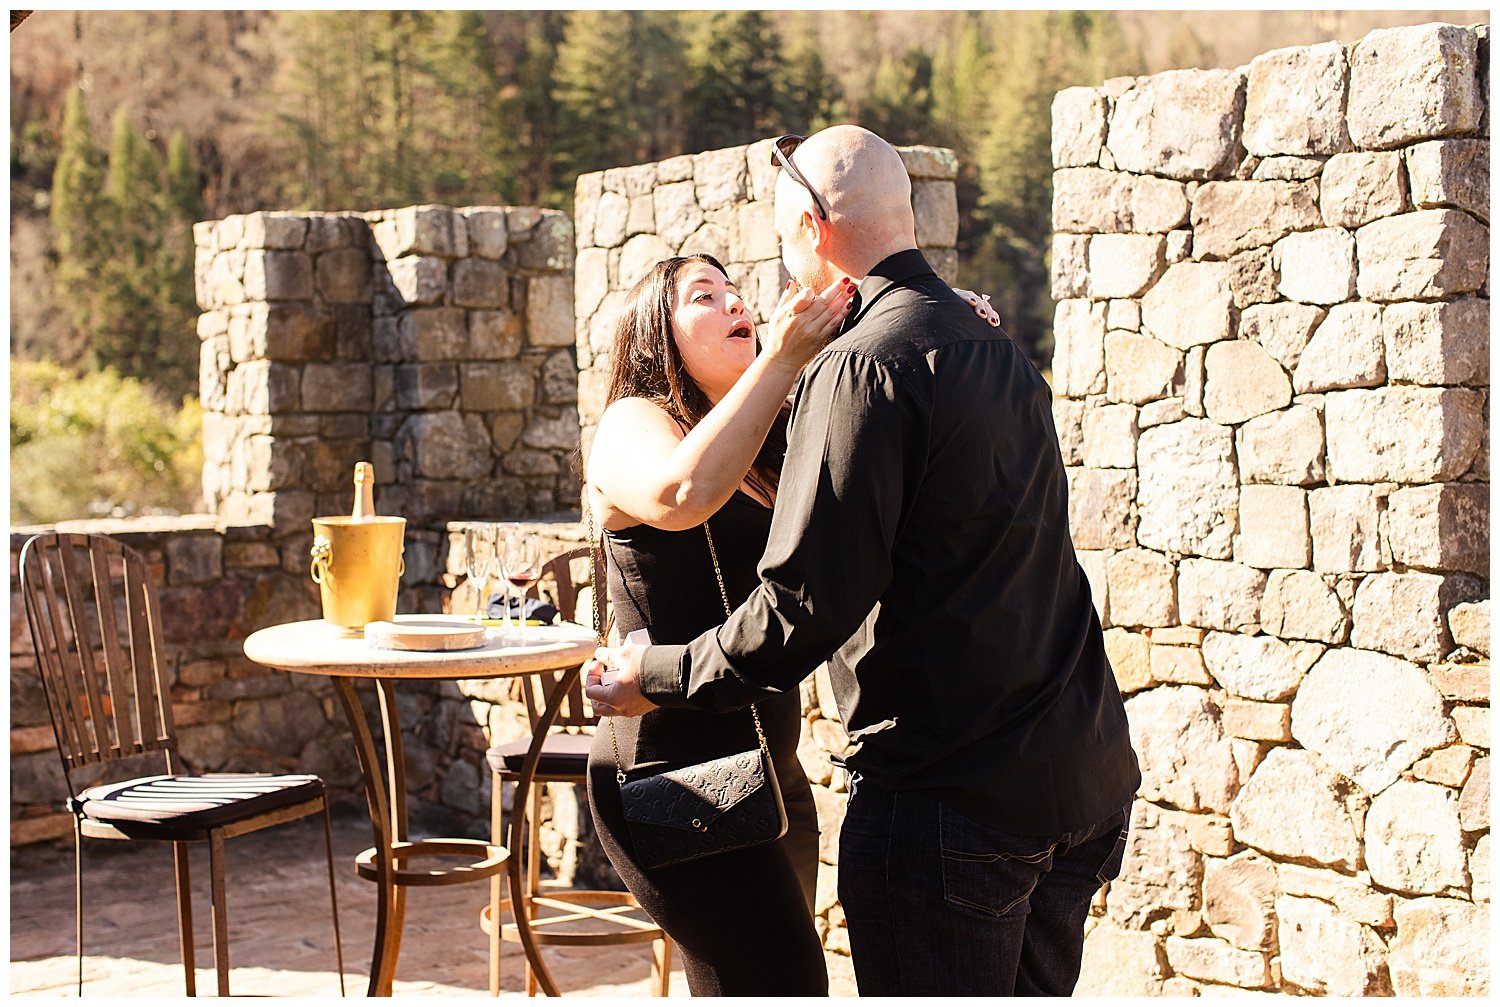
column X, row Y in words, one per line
column 280, row 929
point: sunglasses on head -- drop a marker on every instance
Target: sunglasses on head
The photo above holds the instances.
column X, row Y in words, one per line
column 781, row 156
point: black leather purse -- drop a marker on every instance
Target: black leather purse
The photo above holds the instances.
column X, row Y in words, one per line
column 698, row 811
column 701, row 810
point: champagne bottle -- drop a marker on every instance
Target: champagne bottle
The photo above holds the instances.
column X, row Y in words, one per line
column 364, row 491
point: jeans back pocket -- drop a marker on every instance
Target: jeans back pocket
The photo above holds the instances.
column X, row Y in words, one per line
column 987, row 870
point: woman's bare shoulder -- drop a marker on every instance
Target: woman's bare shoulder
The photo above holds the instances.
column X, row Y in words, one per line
column 634, row 414
column 629, row 431
column 631, row 405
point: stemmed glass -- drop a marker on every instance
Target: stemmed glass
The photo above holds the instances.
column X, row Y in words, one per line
column 479, row 561
column 502, row 533
column 521, row 565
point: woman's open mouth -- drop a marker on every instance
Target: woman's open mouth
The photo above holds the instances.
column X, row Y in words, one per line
column 741, row 330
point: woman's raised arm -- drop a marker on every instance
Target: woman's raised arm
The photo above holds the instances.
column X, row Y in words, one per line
column 645, row 470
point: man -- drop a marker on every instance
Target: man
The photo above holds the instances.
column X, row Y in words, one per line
column 920, row 545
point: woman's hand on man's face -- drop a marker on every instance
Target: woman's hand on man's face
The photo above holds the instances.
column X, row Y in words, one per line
column 804, row 321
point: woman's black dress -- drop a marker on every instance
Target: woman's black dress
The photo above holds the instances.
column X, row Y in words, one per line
column 742, row 920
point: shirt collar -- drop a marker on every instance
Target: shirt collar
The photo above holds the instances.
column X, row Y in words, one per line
column 892, row 271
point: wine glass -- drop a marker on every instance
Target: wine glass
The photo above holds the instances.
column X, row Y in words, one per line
column 503, row 533
column 522, row 563
column 479, row 558
column 497, row 568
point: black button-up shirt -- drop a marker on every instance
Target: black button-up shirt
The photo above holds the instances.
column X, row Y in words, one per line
column 920, row 546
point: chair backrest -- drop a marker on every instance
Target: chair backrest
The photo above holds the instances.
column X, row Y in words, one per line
column 96, row 627
column 536, row 688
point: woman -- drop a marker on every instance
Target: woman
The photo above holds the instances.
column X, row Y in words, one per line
column 694, row 432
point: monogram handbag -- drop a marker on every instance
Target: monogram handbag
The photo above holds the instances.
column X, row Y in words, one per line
column 698, row 811
column 712, row 807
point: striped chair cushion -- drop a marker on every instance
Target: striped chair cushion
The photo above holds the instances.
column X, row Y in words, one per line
column 193, row 802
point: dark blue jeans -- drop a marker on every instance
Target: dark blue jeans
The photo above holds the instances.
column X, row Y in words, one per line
column 939, row 904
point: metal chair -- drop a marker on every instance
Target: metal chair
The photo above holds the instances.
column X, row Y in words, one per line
column 96, row 625
column 613, row 917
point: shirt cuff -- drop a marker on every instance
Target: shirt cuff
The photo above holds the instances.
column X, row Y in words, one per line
column 662, row 680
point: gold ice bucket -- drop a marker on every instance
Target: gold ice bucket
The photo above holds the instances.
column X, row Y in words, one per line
column 357, row 563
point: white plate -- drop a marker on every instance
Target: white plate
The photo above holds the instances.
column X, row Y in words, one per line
column 425, row 632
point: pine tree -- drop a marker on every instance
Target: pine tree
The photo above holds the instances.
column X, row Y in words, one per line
column 176, row 298
column 811, row 98
column 534, row 120
column 123, row 250
column 184, row 192
column 593, row 64
column 330, row 94
column 141, row 313
column 1033, row 54
column 961, row 95
column 961, row 88
column 125, row 334
column 399, row 74
column 77, row 202
column 619, row 86
column 394, row 107
column 132, row 184
column 734, row 69
column 472, row 157
column 658, row 85
column 898, row 104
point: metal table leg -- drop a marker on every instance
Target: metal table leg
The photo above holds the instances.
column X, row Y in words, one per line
column 387, row 913
column 385, row 792
column 395, row 765
column 519, row 909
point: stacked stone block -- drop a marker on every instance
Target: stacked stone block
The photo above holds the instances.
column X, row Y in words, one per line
column 284, row 373
column 1271, row 389
column 719, row 202
column 434, row 342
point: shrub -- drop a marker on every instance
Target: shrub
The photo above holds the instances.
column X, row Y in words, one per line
column 99, row 445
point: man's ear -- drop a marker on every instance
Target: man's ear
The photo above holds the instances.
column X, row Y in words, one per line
column 816, row 228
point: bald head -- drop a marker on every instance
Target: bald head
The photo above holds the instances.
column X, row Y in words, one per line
column 866, row 190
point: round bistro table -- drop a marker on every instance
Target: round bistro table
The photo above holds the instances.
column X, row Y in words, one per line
column 315, row 647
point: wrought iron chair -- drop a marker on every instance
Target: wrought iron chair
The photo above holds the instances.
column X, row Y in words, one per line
column 561, row 917
column 96, row 626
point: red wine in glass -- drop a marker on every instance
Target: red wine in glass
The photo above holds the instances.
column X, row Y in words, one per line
column 523, row 566
column 521, row 580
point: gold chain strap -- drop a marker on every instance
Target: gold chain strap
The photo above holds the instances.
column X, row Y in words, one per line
column 596, row 544
column 598, row 541
column 713, row 553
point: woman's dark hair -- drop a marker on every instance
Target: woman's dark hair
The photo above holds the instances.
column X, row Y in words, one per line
column 645, row 363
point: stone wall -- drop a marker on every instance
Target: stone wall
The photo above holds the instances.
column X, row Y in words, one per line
column 434, row 342
column 1272, row 381
column 719, row 202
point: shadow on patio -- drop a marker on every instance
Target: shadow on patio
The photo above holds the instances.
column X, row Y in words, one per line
column 281, row 938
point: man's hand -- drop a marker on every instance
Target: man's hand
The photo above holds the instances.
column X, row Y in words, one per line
column 622, row 696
